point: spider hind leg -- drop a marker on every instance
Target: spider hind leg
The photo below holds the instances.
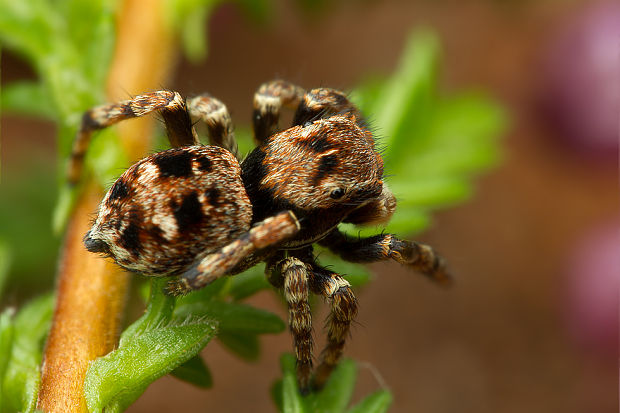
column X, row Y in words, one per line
column 170, row 104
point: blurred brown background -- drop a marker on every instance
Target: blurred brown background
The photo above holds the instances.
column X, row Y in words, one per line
column 504, row 339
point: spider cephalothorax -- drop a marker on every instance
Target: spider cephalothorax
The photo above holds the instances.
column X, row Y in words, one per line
column 322, row 171
column 195, row 212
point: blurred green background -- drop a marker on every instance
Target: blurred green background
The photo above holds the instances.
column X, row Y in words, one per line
column 519, row 330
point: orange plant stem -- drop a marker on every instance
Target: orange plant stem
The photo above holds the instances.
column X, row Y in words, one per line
column 91, row 291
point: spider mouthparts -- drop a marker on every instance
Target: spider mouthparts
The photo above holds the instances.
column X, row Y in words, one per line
column 95, row 245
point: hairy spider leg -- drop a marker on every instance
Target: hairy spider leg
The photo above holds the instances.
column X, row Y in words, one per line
column 309, row 106
column 343, row 310
column 216, row 117
column 206, row 269
column 324, row 102
column 295, row 277
column 170, row 104
column 268, row 101
column 417, row 256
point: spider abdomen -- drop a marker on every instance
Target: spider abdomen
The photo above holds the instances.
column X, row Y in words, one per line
column 170, row 207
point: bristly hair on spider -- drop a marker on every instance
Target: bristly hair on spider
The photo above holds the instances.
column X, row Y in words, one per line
column 199, row 212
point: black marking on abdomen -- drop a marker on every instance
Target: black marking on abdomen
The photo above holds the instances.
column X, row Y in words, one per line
column 157, row 234
column 204, row 164
column 120, row 190
column 130, row 238
column 175, row 163
column 213, row 196
column 189, row 213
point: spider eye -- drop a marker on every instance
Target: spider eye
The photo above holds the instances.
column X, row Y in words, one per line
column 337, row 193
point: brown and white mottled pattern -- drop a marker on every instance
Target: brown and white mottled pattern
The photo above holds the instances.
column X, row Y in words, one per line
column 305, row 164
column 170, row 207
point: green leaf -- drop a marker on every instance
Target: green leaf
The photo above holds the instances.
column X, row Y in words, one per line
column 6, row 342
column 244, row 138
column 120, row 377
column 277, row 394
column 432, row 191
column 234, row 316
column 189, row 18
column 194, row 371
column 248, row 283
column 158, row 312
column 107, row 157
column 244, row 345
column 286, row 393
column 5, row 264
column 433, row 144
column 27, row 98
column 21, row 377
column 378, row 402
column 33, row 320
column 67, row 197
column 408, row 94
column 69, row 44
column 91, row 30
column 208, row 293
column 291, row 399
column 259, row 10
column 27, row 26
column 336, row 394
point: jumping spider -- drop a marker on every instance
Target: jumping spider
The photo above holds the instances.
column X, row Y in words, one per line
column 201, row 212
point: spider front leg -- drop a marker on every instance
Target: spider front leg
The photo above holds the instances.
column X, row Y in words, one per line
column 207, row 269
column 216, row 117
column 295, row 275
column 342, row 313
column 309, row 106
column 291, row 275
column 324, row 102
column 170, row 104
column 268, row 101
column 418, row 256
